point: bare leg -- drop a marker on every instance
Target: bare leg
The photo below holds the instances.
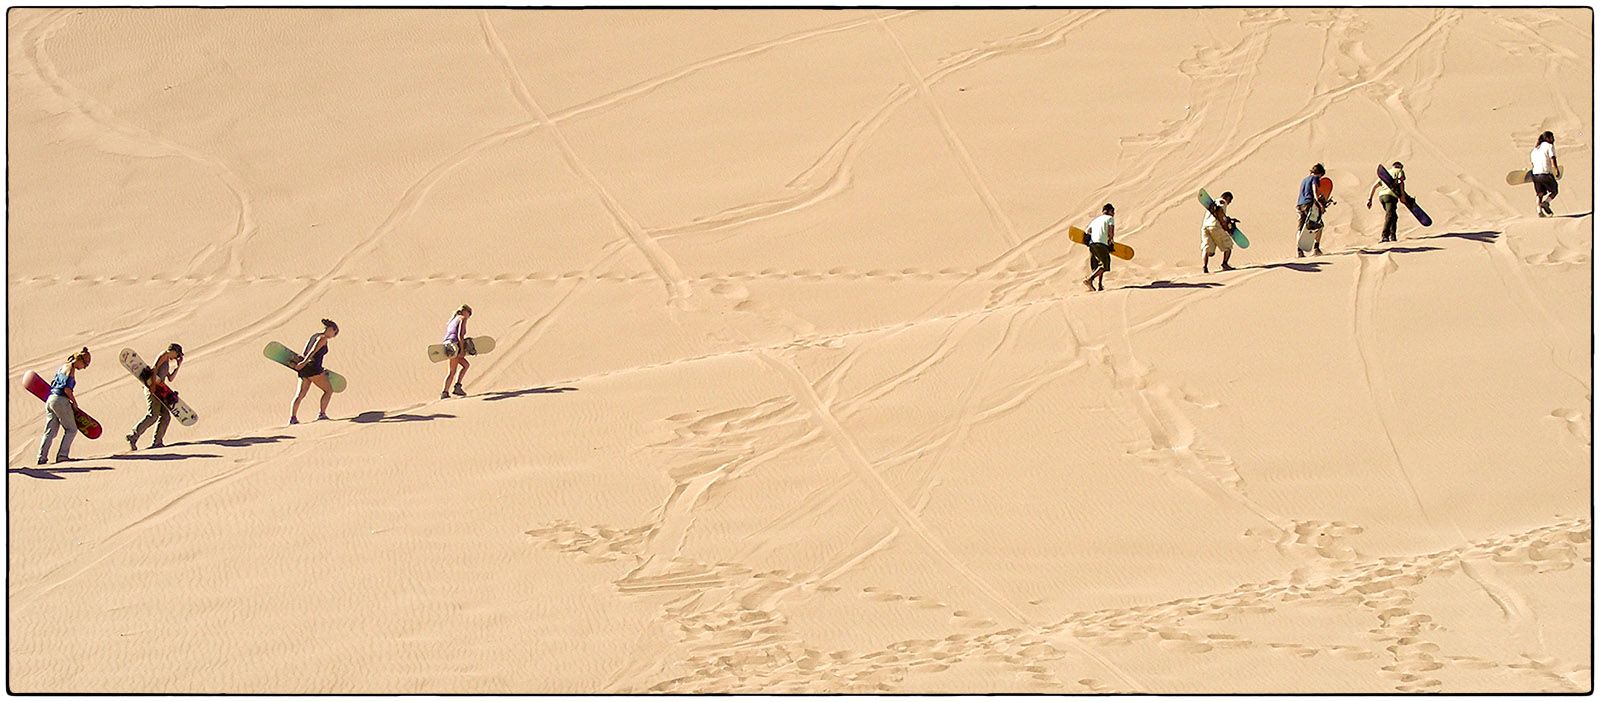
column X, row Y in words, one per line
column 294, row 409
column 321, row 382
column 450, row 375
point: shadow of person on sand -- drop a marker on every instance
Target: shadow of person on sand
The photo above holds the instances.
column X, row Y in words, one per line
column 547, row 390
column 1170, row 285
column 53, row 472
column 378, row 416
column 1396, row 250
column 1299, row 266
column 1483, row 237
column 237, row 442
column 162, row 456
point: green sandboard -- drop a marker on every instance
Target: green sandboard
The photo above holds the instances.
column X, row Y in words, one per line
column 1211, row 206
column 280, row 353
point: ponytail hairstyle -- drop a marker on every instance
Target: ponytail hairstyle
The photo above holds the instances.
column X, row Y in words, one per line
column 82, row 353
column 464, row 308
column 329, row 324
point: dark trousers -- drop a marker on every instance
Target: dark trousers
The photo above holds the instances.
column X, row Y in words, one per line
column 1390, row 218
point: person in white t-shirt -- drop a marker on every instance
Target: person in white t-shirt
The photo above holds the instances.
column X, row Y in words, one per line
column 1101, row 235
column 1545, row 172
column 1216, row 235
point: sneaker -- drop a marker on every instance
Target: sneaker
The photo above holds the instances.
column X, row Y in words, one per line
column 1227, row 267
column 65, row 459
column 1317, row 251
column 293, row 420
column 321, row 416
column 1299, row 254
column 444, row 394
column 132, row 443
column 458, row 392
column 157, row 445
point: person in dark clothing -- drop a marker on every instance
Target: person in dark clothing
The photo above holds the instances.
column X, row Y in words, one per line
column 311, row 371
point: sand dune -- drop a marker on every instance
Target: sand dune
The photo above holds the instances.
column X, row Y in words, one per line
column 796, row 388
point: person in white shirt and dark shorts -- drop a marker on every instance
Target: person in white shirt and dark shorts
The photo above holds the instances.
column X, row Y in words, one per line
column 1545, row 172
column 1101, row 234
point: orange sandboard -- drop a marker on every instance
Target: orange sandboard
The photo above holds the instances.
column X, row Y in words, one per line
column 1120, row 250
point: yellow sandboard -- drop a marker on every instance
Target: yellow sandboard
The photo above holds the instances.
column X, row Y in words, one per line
column 1119, row 249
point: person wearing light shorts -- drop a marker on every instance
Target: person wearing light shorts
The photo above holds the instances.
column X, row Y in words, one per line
column 1215, row 236
column 455, row 335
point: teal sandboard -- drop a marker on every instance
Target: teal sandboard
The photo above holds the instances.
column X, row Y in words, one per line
column 1211, row 206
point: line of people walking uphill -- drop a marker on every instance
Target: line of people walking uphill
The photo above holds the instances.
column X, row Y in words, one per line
column 1217, row 234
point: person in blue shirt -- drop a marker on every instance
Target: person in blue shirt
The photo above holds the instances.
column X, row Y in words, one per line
column 1308, row 199
column 60, row 409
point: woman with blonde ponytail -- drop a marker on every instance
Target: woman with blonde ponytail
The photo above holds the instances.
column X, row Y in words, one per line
column 60, row 410
column 454, row 334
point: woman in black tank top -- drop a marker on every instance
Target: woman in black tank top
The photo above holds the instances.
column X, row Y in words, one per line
column 311, row 372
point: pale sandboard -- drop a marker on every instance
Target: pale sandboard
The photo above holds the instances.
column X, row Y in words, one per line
column 1308, row 234
column 164, row 394
column 475, row 345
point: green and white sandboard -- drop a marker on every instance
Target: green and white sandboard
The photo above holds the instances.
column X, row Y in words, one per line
column 280, row 353
column 1211, row 206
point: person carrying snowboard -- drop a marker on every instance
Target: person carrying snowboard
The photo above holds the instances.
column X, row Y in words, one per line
column 311, row 371
column 1545, row 172
column 455, row 335
column 1215, row 235
column 1101, row 234
column 60, row 409
column 1311, row 208
column 165, row 368
column 1389, row 199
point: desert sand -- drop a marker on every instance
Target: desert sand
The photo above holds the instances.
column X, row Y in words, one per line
column 796, row 386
